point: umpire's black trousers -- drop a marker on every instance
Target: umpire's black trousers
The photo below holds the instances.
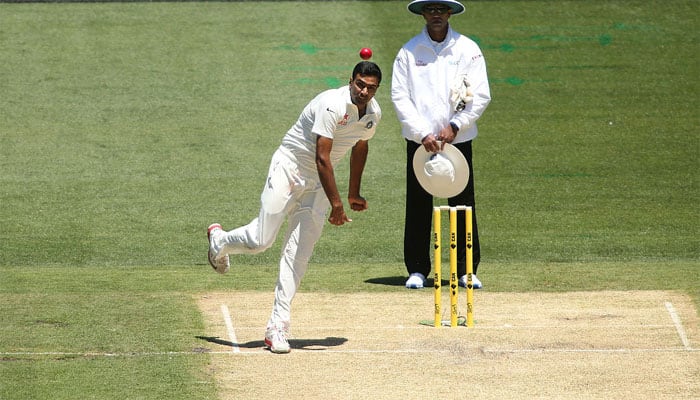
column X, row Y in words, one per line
column 419, row 216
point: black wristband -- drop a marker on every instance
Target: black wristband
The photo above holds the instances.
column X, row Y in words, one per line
column 455, row 128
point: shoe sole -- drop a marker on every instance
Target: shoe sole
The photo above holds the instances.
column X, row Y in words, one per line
column 414, row 287
column 473, row 286
column 210, row 257
column 212, row 262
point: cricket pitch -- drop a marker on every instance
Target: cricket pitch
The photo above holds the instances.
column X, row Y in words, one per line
column 593, row 345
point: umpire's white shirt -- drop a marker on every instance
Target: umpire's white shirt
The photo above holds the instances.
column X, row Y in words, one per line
column 423, row 73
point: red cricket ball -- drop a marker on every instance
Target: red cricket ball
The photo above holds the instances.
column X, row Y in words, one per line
column 365, row 53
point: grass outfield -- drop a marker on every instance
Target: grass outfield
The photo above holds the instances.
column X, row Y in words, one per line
column 125, row 129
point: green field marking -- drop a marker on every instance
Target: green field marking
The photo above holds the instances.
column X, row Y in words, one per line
column 329, row 81
column 308, row 48
column 569, row 38
column 333, row 82
column 308, row 68
column 634, row 27
column 506, row 47
column 605, row 39
column 579, row 29
column 508, row 44
column 511, row 80
column 312, row 49
column 583, row 67
column 563, row 175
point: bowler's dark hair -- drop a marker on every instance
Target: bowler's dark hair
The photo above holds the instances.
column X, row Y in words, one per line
column 367, row 68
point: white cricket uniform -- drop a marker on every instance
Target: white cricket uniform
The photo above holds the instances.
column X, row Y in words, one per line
column 293, row 189
column 423, row 73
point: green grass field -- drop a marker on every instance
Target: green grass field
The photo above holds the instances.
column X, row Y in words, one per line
column 125, row 129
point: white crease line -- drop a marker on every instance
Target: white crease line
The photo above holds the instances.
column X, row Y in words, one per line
column 679, row 326
column 229, row 328
column 348, row 351
column 477, row 327
column 608, row 351
column 92, row 354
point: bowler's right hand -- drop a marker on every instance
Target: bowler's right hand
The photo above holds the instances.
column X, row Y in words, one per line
column 338, row 216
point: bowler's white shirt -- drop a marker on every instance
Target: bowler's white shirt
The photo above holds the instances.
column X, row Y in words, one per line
column 423, row 73
column 331, row 114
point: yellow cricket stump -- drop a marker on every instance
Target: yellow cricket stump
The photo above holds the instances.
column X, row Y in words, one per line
column 438, row 266
column 454, row 284
column 470, row 268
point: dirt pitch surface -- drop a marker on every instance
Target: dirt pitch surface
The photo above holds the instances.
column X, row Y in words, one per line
column 593, row 345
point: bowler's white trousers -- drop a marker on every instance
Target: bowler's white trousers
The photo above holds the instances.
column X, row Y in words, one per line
column 291, row 191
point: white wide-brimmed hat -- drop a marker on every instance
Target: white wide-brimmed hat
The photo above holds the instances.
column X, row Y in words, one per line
column 416, row 6
column 444, row 174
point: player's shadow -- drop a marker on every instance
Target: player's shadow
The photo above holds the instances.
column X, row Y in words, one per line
column 305, row 344
column 388, row 280
column 400, row 281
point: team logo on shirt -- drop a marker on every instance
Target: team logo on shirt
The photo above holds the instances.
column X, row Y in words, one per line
column 421, row 63
column 344, row 121
column 369, row 125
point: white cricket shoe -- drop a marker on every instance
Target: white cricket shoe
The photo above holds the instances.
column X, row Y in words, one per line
column 476, row 283
column 415, row 281
column 219, row 263
column 276, row 337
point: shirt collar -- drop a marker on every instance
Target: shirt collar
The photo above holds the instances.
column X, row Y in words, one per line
column 438, row 46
